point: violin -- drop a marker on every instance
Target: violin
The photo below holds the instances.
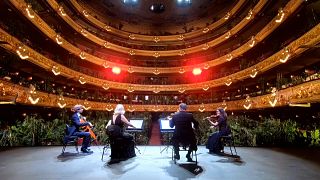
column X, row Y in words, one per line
column 88, row 129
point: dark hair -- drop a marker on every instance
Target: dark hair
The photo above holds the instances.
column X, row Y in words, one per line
column 222, row 112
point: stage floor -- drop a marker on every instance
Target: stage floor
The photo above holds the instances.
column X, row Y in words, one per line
column 254, row 163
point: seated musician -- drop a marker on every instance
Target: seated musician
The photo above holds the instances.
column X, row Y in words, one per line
column 183, row 132
column 128, row 145
column 214, row 143
column 76, row 124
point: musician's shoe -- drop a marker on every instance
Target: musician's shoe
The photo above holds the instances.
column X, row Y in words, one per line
column 177, row 156
column 113, row 161
column 84, row 150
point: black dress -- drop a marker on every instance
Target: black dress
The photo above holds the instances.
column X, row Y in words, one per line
column 122, row 147
column 214, row 144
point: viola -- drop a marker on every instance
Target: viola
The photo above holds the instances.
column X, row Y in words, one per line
column 88, row 129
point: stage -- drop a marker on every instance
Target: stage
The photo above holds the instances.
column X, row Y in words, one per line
column 254, row 163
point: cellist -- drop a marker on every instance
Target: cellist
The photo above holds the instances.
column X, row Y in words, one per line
column 76, row 124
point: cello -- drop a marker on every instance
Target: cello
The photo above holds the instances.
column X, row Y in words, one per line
column 88, row 129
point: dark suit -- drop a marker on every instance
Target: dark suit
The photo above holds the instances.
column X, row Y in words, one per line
column 74, row 130
column 183, row 132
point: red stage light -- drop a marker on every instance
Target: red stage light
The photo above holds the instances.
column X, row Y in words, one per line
column 116, row 70
column 196, row 71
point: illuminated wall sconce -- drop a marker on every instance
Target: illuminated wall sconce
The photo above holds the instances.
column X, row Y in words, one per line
column 229, row 82
column 206, row 66
column 254, row 72
column 107, row 28
column 252, row 41
column 58, row 39
column 181, row 37
column 132, row 36
column 55, row 70
column 156, row 108
column 105, row 86
column 109, row 107
column 229, row 57
column 85, row 13
column 205, row 46
column 227, row 16
column 182, row 52
column 86, row 105
column 205, row 30
column 206, row 87
column 250, row 13
column 227, row 35
column 82, row 55
column 29, row 11
column 224, row 105
column 22, row 52
column 156, row 54
column 131, row 52
column 181, row 90
column 130, row 89
column 32, row 97
column 105, row 64
column 156, row 39
column 273, row 100
column 61, row 102
column 181, row 70
column 285, row 55
column 156, row 90
column 84, row 32
column 130, row 69
column 247, row 105
column 106, row 45
column 202, row 108
column 131, row 108
column 156, row 71
column 280, row 16
column 61, row 10
column 82, row 80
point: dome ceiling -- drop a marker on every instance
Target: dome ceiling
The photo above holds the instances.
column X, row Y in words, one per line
column 160, row 14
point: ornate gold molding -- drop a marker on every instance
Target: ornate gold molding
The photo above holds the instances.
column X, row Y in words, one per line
column 37, row 21
column 139, row 37
column 308, row 92
column 312, row 37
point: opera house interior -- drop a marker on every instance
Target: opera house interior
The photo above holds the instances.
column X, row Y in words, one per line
column 256, row 60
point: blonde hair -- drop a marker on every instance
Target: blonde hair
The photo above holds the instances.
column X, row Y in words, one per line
column 119, row 109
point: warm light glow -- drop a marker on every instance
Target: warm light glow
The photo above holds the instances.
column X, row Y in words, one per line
column 131, row 108
column 82, row 80
column 156, row 54
column 105, row 64
column 273, row 103
column 181, row 90
column 156, row 90
column 156, row 39
column 130, row 89
column 116, row 70
column 182, row 52
column 105, row 86
column 285, row 55
column 33, row 101
column 84, row 32
column 82, row 55
column 249, row 14
column 22, row 53
column 229, row 82
column 205, row 30
column 227, row 16
column 181, row 37
column 202, row 108
column 132, row 36
column 106, row 45
column 254, row 73
column 55, row 70
column 156, row 71
column 85, row 13
column 130, row 70
column 58, row 39
column 280, row 15
column 109, row 107
column 28, row 9
column 252, row 41
column 196, row 71
column 205, row 46
column 206, row 87
column 206, row 66
column 181, row 70
column 61, row 102
column 229, row 57
column 131, row 52
column 62, row 11
column 107, row 28
column 227, row 35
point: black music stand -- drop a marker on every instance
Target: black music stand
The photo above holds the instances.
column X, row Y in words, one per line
column 138, row 124
column 165, row 128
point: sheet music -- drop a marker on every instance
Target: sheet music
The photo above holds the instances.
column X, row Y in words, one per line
column 164, row 125
column 138, row 123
